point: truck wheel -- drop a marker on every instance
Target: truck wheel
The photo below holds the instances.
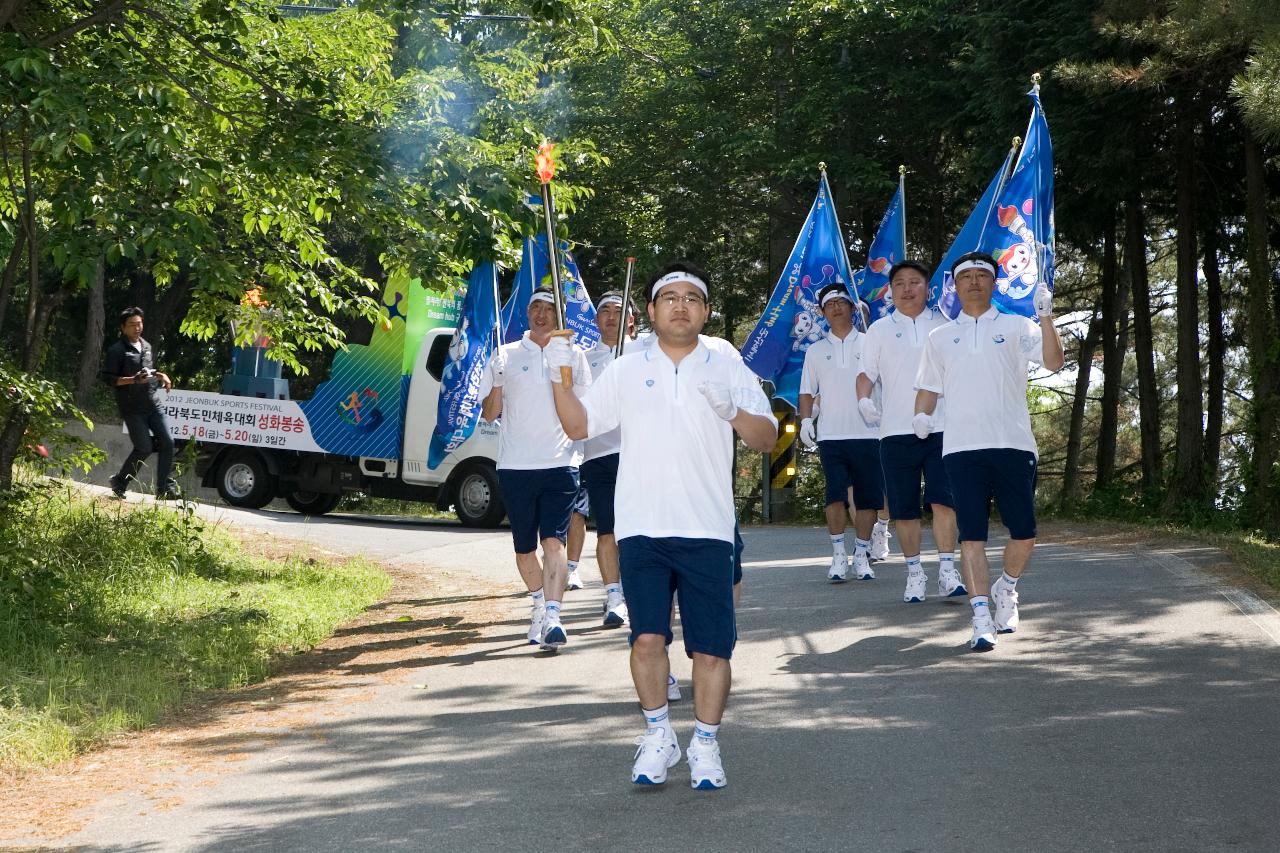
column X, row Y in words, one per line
column 312, row 503
column 244, row 481
column 476, row 499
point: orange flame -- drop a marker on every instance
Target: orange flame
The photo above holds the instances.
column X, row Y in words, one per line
column 546, row 162
column 253, row 298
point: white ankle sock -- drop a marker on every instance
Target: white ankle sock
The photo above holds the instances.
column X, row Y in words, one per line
column 538, row 599
column 553, row 611
column 573, row 565
column 913, row 565
column 705, row 731
column 981, row 605
column 861, row 547
column 837, row 545
column 659, row 718
column 1008, row 581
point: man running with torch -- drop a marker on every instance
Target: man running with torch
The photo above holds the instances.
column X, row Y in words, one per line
column 537, row 463
column 677, row 405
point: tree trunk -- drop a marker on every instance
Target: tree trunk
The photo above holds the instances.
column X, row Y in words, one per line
column 1135, row 237
column 1075, row 438
column 1112, row 358
column 91, row 355
column 1263, row 498
column 1216, row 353
column 10, row 274
column 1187, row 486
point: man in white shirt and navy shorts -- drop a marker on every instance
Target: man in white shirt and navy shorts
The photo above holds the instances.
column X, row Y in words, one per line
column 848, row 446
column 979, row 362
column 537, row 465
column 678, row 405
column 599, row 469
column 891, row 357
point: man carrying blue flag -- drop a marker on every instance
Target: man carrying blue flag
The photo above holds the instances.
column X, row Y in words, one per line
column 891, row 357
column 848, row 446
column 537, row 464
column 677, row 405
column 979, row 362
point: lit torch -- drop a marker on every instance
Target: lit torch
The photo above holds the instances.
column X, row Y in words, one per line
column 546, row 168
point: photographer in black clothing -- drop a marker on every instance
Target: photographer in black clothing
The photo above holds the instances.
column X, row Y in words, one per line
column 130, row 369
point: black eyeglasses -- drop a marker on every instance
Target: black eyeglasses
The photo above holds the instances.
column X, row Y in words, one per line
column 670, row 300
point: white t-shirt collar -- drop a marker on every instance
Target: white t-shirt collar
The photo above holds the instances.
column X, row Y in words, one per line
column 990, row 314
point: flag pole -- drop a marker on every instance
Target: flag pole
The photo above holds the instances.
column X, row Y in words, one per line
column 902, row 194
column 497, row 304
column 626, row 308
column 1009, row 161
column 849, row 285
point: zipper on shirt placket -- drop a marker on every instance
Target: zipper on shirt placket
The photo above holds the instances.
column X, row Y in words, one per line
column 676, row 383
column 975, row 347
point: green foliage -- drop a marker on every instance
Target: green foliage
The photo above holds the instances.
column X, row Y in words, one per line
column 48, row 408
column 112, row 616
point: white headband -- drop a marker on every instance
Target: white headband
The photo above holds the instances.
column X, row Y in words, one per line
column 678, row 275
column 610, row 300
column 835, row 294
column 542, row 297
column 974, row 264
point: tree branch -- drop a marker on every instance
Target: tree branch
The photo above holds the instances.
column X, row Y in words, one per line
column 110, row 10
column 208, row 54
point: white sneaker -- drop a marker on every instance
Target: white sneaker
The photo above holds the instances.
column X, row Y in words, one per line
column 574, row 580
column 615, row 611
column 880, row 543
column 915, row 591
column 553, row 635
column 984, row 634
column 839, row 571
column 1005, row 599
column 950, row 584
column 706, row 770
column 673, row 689
column 655, row 756
column 537, row 618
column 862, row 568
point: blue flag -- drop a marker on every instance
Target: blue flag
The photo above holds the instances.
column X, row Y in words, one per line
column 888, row 247
column 792, row 320
column 535, row 271
column 469, row 351
column 1019, row 232
column 942, row 289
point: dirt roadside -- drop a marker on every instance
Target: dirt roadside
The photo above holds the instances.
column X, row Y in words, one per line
column 427, row 616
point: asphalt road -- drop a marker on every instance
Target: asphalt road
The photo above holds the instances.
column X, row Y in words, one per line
column 1136, row 709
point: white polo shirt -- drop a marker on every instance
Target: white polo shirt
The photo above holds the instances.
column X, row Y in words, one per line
column 675, row 471
column 980, row 364
column 531, row 437
column 831, row 367
column 716, row 345
column 891, row 355
column 599, row 357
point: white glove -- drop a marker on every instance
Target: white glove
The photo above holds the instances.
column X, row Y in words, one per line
column 1043, row 301
column 721, row 399
column 808, row 435
column 870, row 413
column 498, row 370
column 560, row 353
column 922, row 424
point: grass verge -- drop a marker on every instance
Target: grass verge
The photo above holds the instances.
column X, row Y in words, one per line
column 1251, row 551
column 111, row 615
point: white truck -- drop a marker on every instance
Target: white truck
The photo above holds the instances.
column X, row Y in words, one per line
column 366, row 429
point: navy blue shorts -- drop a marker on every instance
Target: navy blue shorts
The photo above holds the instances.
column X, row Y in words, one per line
column 699, row 572
column 581, row 502
column 538, row 503
column 853, row 462
column 1003, row 473
column 600, row 477
column 905, row 459
column 738, row 546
